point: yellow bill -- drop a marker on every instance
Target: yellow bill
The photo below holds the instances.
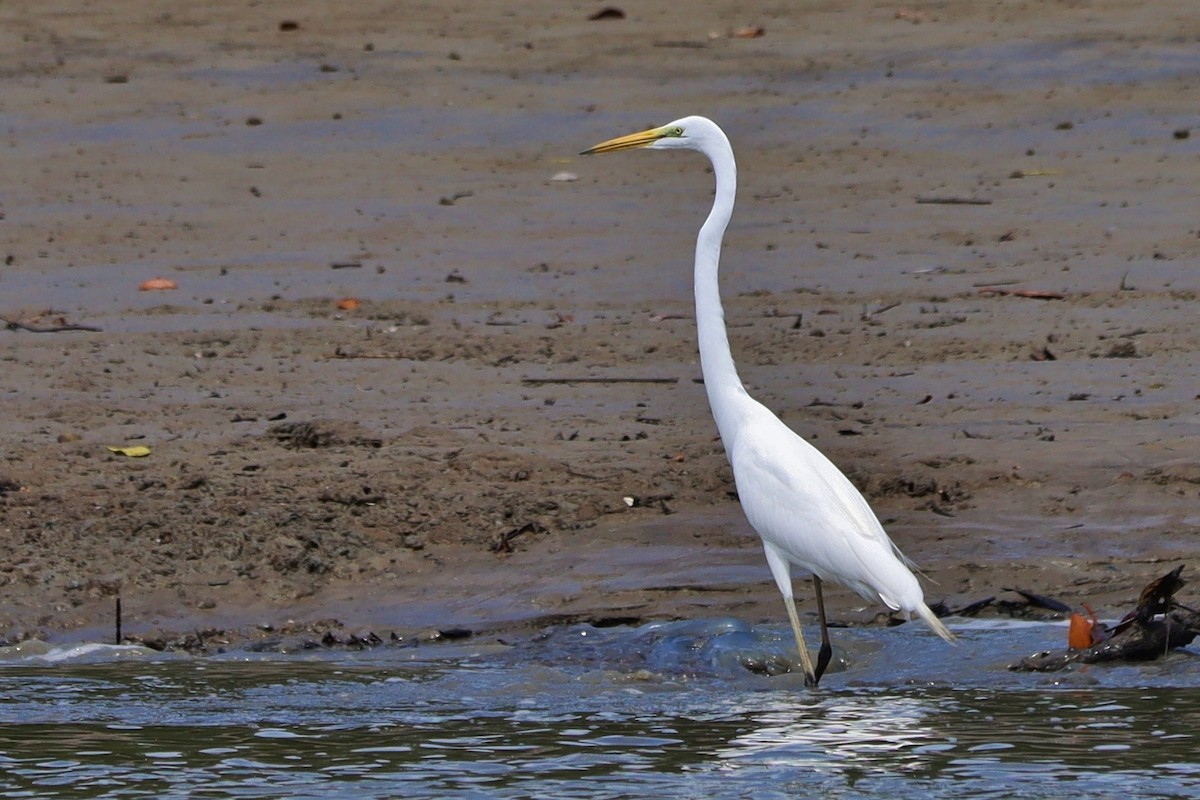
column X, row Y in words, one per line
column 627, row 142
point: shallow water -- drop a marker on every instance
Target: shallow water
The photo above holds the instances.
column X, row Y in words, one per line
column 668, row 709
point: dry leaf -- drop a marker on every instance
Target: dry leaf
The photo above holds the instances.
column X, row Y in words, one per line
column 133, row 451
column 750, row 33
column 347, row 303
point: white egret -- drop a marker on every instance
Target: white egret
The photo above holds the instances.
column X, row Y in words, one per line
column 805, row 510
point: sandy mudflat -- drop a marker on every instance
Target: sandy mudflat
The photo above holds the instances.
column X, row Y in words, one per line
column 1012, row 381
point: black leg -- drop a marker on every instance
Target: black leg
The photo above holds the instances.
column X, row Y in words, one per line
column 826, row 651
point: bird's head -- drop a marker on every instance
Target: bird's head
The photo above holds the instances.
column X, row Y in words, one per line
column 689, row 133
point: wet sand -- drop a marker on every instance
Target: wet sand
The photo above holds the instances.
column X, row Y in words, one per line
column 509, row 428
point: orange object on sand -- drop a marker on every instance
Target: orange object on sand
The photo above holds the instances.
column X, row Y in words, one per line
column 347, row 304
column 157, row 284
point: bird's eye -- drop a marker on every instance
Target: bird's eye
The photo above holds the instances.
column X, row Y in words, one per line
column 677, row 131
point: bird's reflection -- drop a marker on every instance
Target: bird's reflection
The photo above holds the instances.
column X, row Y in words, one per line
column 872, row 728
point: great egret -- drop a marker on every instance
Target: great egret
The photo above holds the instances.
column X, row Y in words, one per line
column 804, row 509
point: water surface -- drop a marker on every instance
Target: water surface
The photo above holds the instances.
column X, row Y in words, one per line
column 667, row 710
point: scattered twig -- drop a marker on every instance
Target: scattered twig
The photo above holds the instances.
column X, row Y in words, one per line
column 867, row 313
column 454, row 198
column 340, row 353
column 545, row 381
column 1041, row 601
column 1039, row 294
column 16, row 325
column 970, row 610
column 504, row 542
column 1033, row 294
column 954, row 201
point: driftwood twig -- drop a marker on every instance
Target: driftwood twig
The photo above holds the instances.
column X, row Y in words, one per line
column 17, row 325
column 954, row 201
column 1157, row 626
column 544, row 381
column 1033, row 294
column 1144, row 641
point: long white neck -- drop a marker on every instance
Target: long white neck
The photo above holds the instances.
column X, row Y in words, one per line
column 726, row 395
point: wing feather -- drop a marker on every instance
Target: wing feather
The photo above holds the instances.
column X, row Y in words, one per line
column 796, row 499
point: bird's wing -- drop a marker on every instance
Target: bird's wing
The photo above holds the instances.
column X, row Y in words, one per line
column 796, row 499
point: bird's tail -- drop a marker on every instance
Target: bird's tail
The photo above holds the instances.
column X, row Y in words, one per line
column 925, row 613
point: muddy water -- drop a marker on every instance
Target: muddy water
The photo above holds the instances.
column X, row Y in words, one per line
column 669, row 709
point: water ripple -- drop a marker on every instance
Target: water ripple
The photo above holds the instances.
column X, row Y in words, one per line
column 668, row 709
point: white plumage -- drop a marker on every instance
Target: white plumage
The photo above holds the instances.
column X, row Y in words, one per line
column 806, row 511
